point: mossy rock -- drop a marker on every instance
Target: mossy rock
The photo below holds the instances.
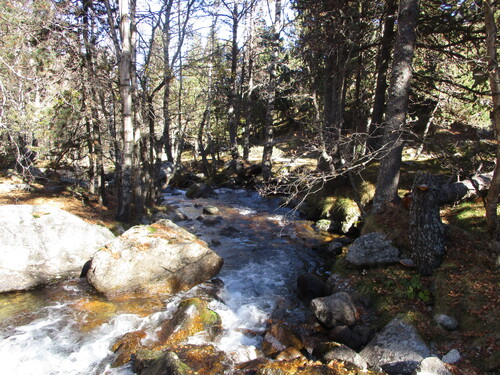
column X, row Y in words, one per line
column 153, row 362
column 192, row 316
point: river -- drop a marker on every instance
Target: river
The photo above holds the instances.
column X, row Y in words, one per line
column 67, row 328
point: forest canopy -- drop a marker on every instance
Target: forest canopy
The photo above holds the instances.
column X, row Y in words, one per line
column 129, row 94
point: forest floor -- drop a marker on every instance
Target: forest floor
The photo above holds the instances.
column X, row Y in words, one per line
column 465, row 286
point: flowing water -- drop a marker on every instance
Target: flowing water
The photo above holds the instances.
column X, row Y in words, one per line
column 69, row 329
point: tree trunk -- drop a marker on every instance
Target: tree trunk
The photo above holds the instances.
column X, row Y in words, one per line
column 375, row 128
column 427, row 233
column 388, row 176
column 491, row 201
column 426, row 229
column 167, row 77
column 249, row 100
column 126, row 194
column 271, row 95
column 232, row 120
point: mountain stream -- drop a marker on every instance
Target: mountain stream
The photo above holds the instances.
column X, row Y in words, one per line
column 68, row 328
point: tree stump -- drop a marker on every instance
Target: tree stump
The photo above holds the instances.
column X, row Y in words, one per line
column 426, row 229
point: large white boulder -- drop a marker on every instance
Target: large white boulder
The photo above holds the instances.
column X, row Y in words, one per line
column 41, row 244
column 146, row 260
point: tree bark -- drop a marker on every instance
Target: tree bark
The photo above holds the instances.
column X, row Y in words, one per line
column 383, row 58
column 126, row 194
column 232, row 120
column 427, row 232
column 271, row 96
column 388, row 176
column 491, row 201
column 426, row 229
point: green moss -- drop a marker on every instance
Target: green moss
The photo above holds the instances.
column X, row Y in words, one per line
column 151, row 229
column 208, row 317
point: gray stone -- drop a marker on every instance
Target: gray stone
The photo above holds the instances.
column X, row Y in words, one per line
column 432, row 366
column 453, row 356
column 42, row 244
column 372, row 249
column 397, row 349
column 445, row 321
column 337, row 309
column 149, row 260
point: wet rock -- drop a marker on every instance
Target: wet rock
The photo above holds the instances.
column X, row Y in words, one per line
column 215, row 242
column 447, row 322
column 199, row 191
column 453, row 356
column 172, row 214
column 310, row 286
column 397, row 349
column 209, row 220
column 298, row 366
column 42, row 244
column 372, row 249
column 337, row 309
column 290, row 354
column 278, row 338
column 337, row 352
column 203, row 359
column 160, row 363
column 127, row 346
column 149, row 260
column 432, row 366
column 344, row 335
column 210, row 210
column 192, row 316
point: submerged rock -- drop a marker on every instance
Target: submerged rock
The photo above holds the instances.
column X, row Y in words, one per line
column 42, row 244
column 148, row 260
column 397, row 349
column 372, row 249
